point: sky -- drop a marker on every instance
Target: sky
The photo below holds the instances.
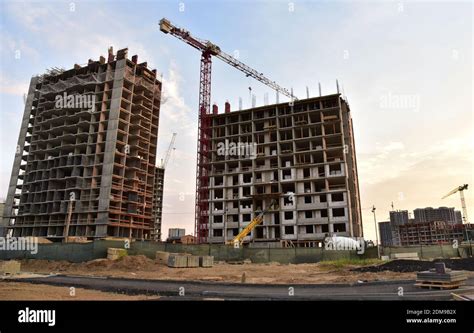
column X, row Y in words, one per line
column 406, row 69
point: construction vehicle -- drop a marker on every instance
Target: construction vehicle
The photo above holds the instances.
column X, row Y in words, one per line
column 461, row 190
column 239, row 239
column 208, row 50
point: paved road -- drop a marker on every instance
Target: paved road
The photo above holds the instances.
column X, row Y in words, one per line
column 233, row 291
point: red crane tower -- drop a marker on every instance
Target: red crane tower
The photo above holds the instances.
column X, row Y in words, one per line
column 208, row 50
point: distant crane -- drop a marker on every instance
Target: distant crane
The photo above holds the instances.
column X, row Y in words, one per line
column 208, row 50
column 460, row 189
column 168, row 152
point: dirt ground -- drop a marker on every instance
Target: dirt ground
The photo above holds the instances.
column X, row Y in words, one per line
column 141, row 267
column 14, row 291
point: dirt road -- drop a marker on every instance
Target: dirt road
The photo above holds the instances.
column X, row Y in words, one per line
column 19, row 291
column 388, row 290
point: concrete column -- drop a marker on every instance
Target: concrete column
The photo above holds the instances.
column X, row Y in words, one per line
column 109, row 153
column 7, row 213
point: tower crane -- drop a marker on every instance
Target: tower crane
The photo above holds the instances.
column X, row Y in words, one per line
column 460, row 189
column 208, row 50
column 168, row 152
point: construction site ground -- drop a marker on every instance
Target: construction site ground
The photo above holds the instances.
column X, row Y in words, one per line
column 342, row 271
column 20, row 291
column 144, row 278
column 141, row 267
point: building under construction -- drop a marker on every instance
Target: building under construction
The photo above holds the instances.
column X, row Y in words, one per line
column 304, row 160
column 435, row 232
column 87, row 169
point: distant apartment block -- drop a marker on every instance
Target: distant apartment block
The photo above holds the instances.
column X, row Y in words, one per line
column 87, row 169
column 385, row 233
column 445, row 214
column 175, row 234
column 430, row 226
column 304, row 160
column 430, row 233
column 398, row 217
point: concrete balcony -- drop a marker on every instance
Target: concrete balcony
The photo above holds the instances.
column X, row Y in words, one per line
column 244, row 209
column 232, row 210
column 339, row 219
column 337, row 204
column 313, row 205
column 288, row 206
column 313, row 236
column 288, row 237
column 232, row 225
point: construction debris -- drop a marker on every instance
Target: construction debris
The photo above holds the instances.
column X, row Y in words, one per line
column 114, row 253
column 466, row 264
column 11, row 267
column 206, row 261
column 440, row 277
column 77, row 239
column 162, row 257
column 193, row 261
column 408, row 255
column 178, row 261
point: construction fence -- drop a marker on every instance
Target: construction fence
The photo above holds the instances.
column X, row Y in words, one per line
column 80, row 252
column 432, row 251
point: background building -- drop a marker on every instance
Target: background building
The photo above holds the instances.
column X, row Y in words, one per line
column 399, row 217
column 175, row 234
column 430, row 226
column 188, row 239
column 305, row 160
column 82, row 171
column 385, row 233
column 429, row 214
column 429, row 233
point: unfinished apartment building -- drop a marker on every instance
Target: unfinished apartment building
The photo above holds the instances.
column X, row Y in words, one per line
column 435, row 232
column 87, row 172
column 305, row 162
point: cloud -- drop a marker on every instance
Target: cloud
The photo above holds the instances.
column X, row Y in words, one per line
column 64, row 31
column 11, row 87
column 175, row 113
column 16, row 48
column 391, row 160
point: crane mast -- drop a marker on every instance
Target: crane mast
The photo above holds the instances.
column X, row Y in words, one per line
column 168, row 152
column 461, row 190
column 208, row 50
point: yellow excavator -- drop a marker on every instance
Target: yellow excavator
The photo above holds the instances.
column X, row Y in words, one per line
column 239, row 239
